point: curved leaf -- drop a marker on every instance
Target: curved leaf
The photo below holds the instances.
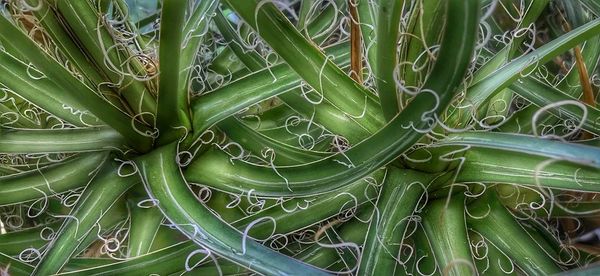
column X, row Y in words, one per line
column 398, row 200
column 143, row 227
column 92, row 205
column 509, row 73
column 360, row 160
column 445, row 224
column 59, row 140
column 175, row 200
column 576, row 153
column 306, row 60
column 49, row 180
column 500, row 228
column 75, row 89
column 495, row 166
column 541, row 95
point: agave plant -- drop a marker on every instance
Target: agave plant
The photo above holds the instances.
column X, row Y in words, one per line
column 364, row 137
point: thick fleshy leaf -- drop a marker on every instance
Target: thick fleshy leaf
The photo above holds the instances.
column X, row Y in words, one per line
column 388, row 25
column 50, row 180
column 492, row 166
column 397, row 202
column 131, row 129
column 43, row 93
column 143, row 228
column 93, row 204
column 496, row 224
column 165, row 261
column 378, row 150
column 542, row 95
column 112, row 59
column 257, row 142
column 173, row 115
column 507, row 74
column 576, row 153
column 60, row 140
column 256, row 87
column 295, row 214
column 308, row 62
column 176, row 201
column 445, row 225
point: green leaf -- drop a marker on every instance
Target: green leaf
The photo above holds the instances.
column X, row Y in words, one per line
column 567, row 209
column 323, row 26
column 308, row 211
column 114, row 60
column 95, row 202
column 173, row 115
column 6, row 170
column 54, row 28
column 13, row 243
column 309, row 62
column 329, row 116
column 498, row 106
column 175, row 200
column 498, row 226
column 520, row 121
column 445, row 225
column 325, row 113
column 71, row 86
column 84, row 263
column 353, row 231
column 214, row 168
column 59, row 140
column 14, row 267
column 542, row 94
column 367, row 18
column 294, row 134
column 143, row 228
column 533, row 10
column 398, row 200
column 388, row 25
column 12, row 117
column 43, row 93
column 509, row 73
column 164, row 262
column 424, row 260
column 215, row 106
column 498, row 166
column 195, row 34
column 427, row 31
column 305, row 7
column 575, row 153
column 488, row 258
column 249, row 57
column 256, row 142
column 50, row 180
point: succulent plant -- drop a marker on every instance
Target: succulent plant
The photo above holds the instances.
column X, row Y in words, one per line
column 309, row 137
